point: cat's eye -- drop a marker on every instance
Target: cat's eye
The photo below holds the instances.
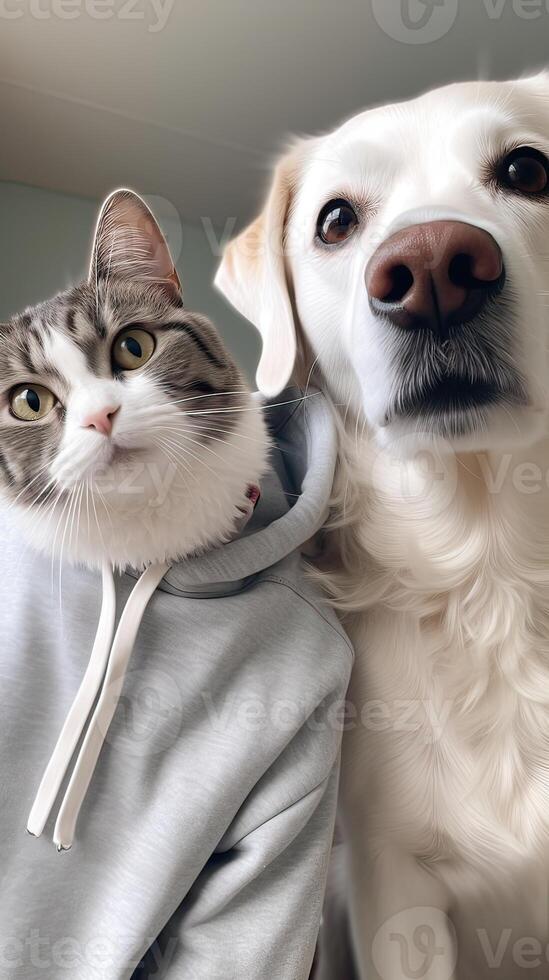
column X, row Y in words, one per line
column 336, row 222
column 29, row 403
column 132, row 349
column 525, row 170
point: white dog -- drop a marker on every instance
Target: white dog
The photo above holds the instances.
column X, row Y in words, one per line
column 405, row 257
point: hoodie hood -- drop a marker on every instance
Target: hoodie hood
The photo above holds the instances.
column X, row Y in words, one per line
column 295, row 497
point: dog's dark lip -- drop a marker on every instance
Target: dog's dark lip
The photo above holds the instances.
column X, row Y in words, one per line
column 454, row 395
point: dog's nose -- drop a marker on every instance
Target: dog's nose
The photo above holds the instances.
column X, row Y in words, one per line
column 434, row 275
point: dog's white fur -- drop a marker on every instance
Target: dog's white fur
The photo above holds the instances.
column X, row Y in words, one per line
column 441, row 560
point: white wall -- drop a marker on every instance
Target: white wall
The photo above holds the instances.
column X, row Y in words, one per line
column 45, row 242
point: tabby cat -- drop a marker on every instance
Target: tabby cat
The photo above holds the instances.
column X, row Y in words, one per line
column 127, row 432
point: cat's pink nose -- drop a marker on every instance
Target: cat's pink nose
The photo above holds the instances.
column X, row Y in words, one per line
column 102, row 420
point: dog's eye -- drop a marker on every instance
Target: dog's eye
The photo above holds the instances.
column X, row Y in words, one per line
column 525, row 170
column 336, row 222
column 132, row 348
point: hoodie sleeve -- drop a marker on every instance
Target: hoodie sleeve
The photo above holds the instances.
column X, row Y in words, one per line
column 254, row 912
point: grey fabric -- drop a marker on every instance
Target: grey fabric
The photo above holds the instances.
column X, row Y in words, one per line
column 203, row 843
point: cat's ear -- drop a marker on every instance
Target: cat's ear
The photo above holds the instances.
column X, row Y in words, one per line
column 129, row 243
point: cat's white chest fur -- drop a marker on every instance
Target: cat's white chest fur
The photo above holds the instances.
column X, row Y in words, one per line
column 451, row 686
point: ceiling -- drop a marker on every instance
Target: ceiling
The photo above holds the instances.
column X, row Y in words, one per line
column 194, row 111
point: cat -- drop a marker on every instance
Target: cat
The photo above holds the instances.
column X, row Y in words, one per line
column 127, row 432
column 128, row 439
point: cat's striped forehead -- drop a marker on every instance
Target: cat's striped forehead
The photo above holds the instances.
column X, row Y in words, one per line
column 71, row 336
column 70, row 333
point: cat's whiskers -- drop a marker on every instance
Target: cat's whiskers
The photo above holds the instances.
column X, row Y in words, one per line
column 88, row 507
column 207, row 432
column 245, row 408
column 42, row 506
column 225, row 409
column 42, row 511
column 46, row 490
column 67, row 529
column 98, row 525
column 26, row 487
column 198, row 428
column 104, row 503
column 201, row 445
column 166, row 450
column 61, row 519
column 50, row 510
column 190, row 398
column 163, row 441
column 77, row 514
column 198, row 459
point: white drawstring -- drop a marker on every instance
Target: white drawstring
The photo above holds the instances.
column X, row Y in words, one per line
column 109, row 659
column 104, row 676
column 79, row 712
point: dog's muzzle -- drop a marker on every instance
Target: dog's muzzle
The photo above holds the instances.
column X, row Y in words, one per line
column 437, row 291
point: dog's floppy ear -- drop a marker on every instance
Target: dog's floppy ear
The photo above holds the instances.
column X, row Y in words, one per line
column 253, row 277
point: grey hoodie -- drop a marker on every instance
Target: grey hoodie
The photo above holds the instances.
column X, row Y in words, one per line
column 202, row 845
